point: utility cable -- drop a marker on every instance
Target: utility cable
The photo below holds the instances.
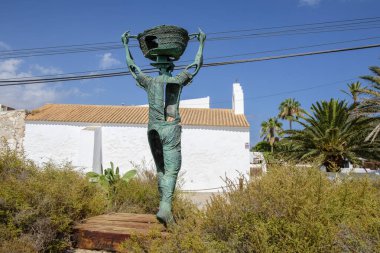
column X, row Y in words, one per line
column 220, row 32
column 79, row 48
column 206, row 65
column 296, row 25
column 5, row 56
column 208, row 58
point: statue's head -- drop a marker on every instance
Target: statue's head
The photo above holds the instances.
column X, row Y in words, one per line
column 164, row 68
column 164, row 64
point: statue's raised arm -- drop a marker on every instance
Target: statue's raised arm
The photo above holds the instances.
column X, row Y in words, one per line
column 133, row 68
column 198, row 62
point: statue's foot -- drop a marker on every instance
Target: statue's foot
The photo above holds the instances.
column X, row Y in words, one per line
column 165, row 215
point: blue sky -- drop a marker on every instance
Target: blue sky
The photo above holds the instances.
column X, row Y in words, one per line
column 31, row 24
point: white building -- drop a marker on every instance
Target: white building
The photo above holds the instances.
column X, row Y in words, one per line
column 215, row 142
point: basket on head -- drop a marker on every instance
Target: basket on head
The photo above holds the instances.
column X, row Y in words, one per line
column 163, row 40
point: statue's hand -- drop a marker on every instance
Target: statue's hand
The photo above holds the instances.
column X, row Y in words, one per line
column 125, row 38
column 193, row 65
column 201, row 36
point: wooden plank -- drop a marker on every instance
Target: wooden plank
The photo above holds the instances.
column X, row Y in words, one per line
column 108, row 231
column 108, row 227
column 122, row 225
column 148, row 219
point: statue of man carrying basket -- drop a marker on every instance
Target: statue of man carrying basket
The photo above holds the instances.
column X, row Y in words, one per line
column 165, row 44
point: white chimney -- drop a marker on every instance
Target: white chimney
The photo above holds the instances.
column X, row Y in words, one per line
column 237, row 99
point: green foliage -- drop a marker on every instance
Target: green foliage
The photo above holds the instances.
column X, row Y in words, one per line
column 354, row 90
column 331, row 135
column 38, row 206
column 271, row 130
column 141, row 195
column 287, row 210
column 110, row 178
column 262, row 146
column 370, row 105
column 297, row 210
column 290, row 110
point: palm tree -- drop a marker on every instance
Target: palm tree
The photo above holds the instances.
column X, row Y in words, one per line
column 271, row 130
column 370, row 105
column 332, row 136
column 291, row 110
column 354, row 90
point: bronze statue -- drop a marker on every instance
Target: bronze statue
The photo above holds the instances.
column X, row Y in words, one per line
column 165, row 44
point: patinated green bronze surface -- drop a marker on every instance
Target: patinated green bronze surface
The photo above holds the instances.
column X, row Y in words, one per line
column 163, row 45
column 164, row 40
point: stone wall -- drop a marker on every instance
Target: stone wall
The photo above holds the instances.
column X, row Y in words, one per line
column 12, row 128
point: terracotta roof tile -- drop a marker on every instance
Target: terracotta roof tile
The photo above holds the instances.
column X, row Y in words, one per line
column 132, row 115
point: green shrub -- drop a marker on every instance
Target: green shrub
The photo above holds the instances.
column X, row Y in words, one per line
column 140, row 195
column 297, row 210
column 38, row 206
column 288, row 210
column 109, row 178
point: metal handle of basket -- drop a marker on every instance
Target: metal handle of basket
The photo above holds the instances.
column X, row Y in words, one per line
column 193, row 35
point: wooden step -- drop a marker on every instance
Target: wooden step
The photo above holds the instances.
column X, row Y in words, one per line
column 108, row 231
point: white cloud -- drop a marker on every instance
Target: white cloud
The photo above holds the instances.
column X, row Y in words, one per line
column 4, row 46
column 309, row 2
column 46, row 70
column 10, row 69
column 108, row 61
column 34, row 95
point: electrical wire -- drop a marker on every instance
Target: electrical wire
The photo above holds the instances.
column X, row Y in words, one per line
column 296, row 25
column 101, row 46
column 206, row 65
column 208, row 58
column 238, row 37
column 280, row 93
column 220, row 32
column 284, row 33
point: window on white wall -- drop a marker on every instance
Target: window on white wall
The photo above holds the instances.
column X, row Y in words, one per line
column 90, row 149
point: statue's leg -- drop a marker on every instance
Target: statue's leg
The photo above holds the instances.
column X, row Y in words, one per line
column 158, row 156
column 172, row 159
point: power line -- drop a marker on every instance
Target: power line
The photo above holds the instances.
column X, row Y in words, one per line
column 296, row 25
column 237, row 37
column 282, row 93
column 282, row 33
column 208, row 58
column 291, row 55
column 348, row 25
column 213, row 64
column 220, row 32
column 80, row 48
column 293, row 48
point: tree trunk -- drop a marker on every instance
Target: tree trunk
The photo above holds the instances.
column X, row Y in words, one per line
column 290, row 124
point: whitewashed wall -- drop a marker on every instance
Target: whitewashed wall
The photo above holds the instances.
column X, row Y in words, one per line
column 208, row 153
column 49, row 141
